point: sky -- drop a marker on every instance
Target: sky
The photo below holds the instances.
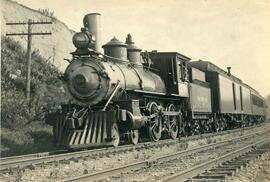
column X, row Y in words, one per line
column 224, row 32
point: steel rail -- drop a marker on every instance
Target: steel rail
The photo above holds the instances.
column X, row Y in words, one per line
column 138, row 165
column 46, row 157
column 189, row 173
column 31, row 156
column 228, row 169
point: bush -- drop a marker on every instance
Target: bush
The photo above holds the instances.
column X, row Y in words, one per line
column 47, row 12
column 14, row 112
column 23, row 125
column 34, row 138
column 46, row 88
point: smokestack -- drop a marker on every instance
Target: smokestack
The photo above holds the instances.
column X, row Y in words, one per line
column 229, row 71
column 92, row 23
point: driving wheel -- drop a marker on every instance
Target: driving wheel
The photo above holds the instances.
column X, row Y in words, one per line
column 173, row 124
column 154, row 128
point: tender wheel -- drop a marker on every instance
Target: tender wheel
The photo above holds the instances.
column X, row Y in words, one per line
column 222, row 124
column 243, row 124
column 182, row 126
column 207, row 126
column 154, row 128
column 194, row 127
column 133, row 137
column 115, row 135
column 217, row 126
column 173, row 123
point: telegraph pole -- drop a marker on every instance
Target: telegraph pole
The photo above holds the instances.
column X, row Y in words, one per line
column 28, row 55
column 29, row 34
column 54, row 54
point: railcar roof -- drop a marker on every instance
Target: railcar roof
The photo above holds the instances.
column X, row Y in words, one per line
column 208, row 66
column 171, row 53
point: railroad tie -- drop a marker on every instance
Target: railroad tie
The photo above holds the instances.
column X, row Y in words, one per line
column 213, row 176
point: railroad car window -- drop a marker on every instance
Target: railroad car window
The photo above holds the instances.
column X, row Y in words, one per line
column 179, row 70
column 257, row 101
column 254, row 100
column 234, row 101
column 260, row 102
column 184, row 72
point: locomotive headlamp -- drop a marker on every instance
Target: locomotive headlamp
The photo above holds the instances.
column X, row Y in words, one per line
column 80, row 83
column 84, row 81
column 83, row 40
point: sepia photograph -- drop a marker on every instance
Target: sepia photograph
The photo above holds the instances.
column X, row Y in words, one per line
column 135, row 91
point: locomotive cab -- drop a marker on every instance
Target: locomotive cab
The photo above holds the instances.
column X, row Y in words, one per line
column 172, row 68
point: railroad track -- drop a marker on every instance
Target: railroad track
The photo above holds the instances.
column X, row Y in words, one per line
column 63, row 155
column 31, row 156
column 104, row 174
column 221, row 168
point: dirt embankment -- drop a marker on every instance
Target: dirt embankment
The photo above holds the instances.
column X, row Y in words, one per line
column 53, row 47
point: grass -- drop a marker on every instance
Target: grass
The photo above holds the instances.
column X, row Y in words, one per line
column 26, row 140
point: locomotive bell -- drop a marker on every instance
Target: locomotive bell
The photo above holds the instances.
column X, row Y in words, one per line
column 83, row 39
column 116, row 49
column 133, row 52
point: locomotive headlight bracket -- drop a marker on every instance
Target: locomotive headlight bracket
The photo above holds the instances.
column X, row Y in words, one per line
column 104, row 74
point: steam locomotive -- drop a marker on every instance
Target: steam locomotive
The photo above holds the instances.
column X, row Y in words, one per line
column 127, row 94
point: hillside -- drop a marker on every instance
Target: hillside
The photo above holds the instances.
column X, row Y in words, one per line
column 53, row 48
column 268, row 105
column 23, row 129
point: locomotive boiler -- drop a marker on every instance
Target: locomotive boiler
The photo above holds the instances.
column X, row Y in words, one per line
column 126, row 94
